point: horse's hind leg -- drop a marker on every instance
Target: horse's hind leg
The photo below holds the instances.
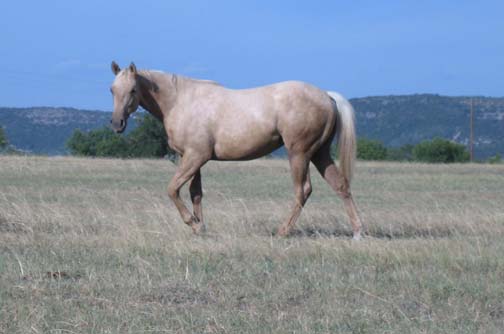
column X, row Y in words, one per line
column 326, row 167
column 196, row 197
column 302, row 187
column 307, row 187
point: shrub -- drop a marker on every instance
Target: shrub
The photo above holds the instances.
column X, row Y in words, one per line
column 100, row 142
column 441, row 151
column 403, row 153
column 5, row 147
column 3, row 139
column 496, row 159
column 370, row 150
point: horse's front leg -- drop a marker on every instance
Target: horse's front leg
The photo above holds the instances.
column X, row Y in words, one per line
column 196, row 197
column 189, row 167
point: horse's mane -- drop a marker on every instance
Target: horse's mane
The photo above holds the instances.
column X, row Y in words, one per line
column 147, row 76
column 176, row 77
column 210, row 82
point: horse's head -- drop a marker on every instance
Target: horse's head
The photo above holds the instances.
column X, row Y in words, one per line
column 126, row 95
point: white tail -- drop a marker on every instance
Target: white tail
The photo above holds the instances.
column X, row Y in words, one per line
column 345, row 128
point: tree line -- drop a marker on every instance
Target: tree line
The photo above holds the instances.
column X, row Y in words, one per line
column 149, row 139
column 437, row 150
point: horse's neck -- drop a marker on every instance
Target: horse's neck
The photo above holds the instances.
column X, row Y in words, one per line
column 159, row 92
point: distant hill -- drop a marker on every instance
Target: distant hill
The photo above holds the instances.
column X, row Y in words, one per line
column 45, row 130
column 409, row 119
column 394, row 120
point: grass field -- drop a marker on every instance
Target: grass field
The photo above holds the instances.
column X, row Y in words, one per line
column 95, row 246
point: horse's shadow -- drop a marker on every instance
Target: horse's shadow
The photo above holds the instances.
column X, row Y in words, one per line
column 377, row 233
column 318, row 232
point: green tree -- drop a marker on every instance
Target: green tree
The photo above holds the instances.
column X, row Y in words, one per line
column 5, row 147
column 496, row 159
column 112, row 145
column 441, row 151
column 100, row 142
column 370, row 150
column 79, row 144
column 3, row 139
column 148, row 139
column 402, row 153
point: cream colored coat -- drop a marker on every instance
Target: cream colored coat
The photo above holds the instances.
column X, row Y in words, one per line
column 206, row 121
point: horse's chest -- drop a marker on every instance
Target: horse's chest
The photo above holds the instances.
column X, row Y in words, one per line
column 173, row 145
column 174, row 140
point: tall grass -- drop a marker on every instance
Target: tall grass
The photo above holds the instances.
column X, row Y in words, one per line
column 95, row 246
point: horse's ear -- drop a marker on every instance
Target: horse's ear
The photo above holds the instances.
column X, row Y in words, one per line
column 132, row 68
column 115, row 68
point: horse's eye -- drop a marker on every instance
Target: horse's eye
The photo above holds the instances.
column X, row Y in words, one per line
column 133, row 91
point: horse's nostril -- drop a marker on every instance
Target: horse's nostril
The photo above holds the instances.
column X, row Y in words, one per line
column 122, row 122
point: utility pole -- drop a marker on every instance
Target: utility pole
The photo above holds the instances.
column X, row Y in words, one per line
column 471, row 138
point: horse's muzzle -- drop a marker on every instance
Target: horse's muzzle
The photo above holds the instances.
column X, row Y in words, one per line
column 118, row 127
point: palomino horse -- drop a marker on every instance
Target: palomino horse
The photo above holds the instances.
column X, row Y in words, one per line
column 205, row 121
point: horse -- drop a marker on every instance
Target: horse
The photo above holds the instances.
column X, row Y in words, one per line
column 206, row 121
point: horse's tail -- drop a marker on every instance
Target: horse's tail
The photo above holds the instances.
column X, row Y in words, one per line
column 345, row 129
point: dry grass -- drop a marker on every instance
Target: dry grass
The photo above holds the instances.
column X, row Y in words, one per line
column 94, row 246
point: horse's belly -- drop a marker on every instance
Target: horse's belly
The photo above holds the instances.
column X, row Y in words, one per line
column 246, row 147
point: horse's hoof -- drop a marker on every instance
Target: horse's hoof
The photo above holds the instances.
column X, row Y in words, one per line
column 282, row 232
column 198, row 227
column 357, row 236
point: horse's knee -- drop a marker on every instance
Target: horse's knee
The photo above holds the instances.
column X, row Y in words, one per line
column 345, row 194
column 343, row 191
column 342, row 187
column 196, row 194
column 172, row 192
column 196, row 199
column 302, row 197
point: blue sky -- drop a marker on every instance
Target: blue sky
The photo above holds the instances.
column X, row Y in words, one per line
column 58, row 53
